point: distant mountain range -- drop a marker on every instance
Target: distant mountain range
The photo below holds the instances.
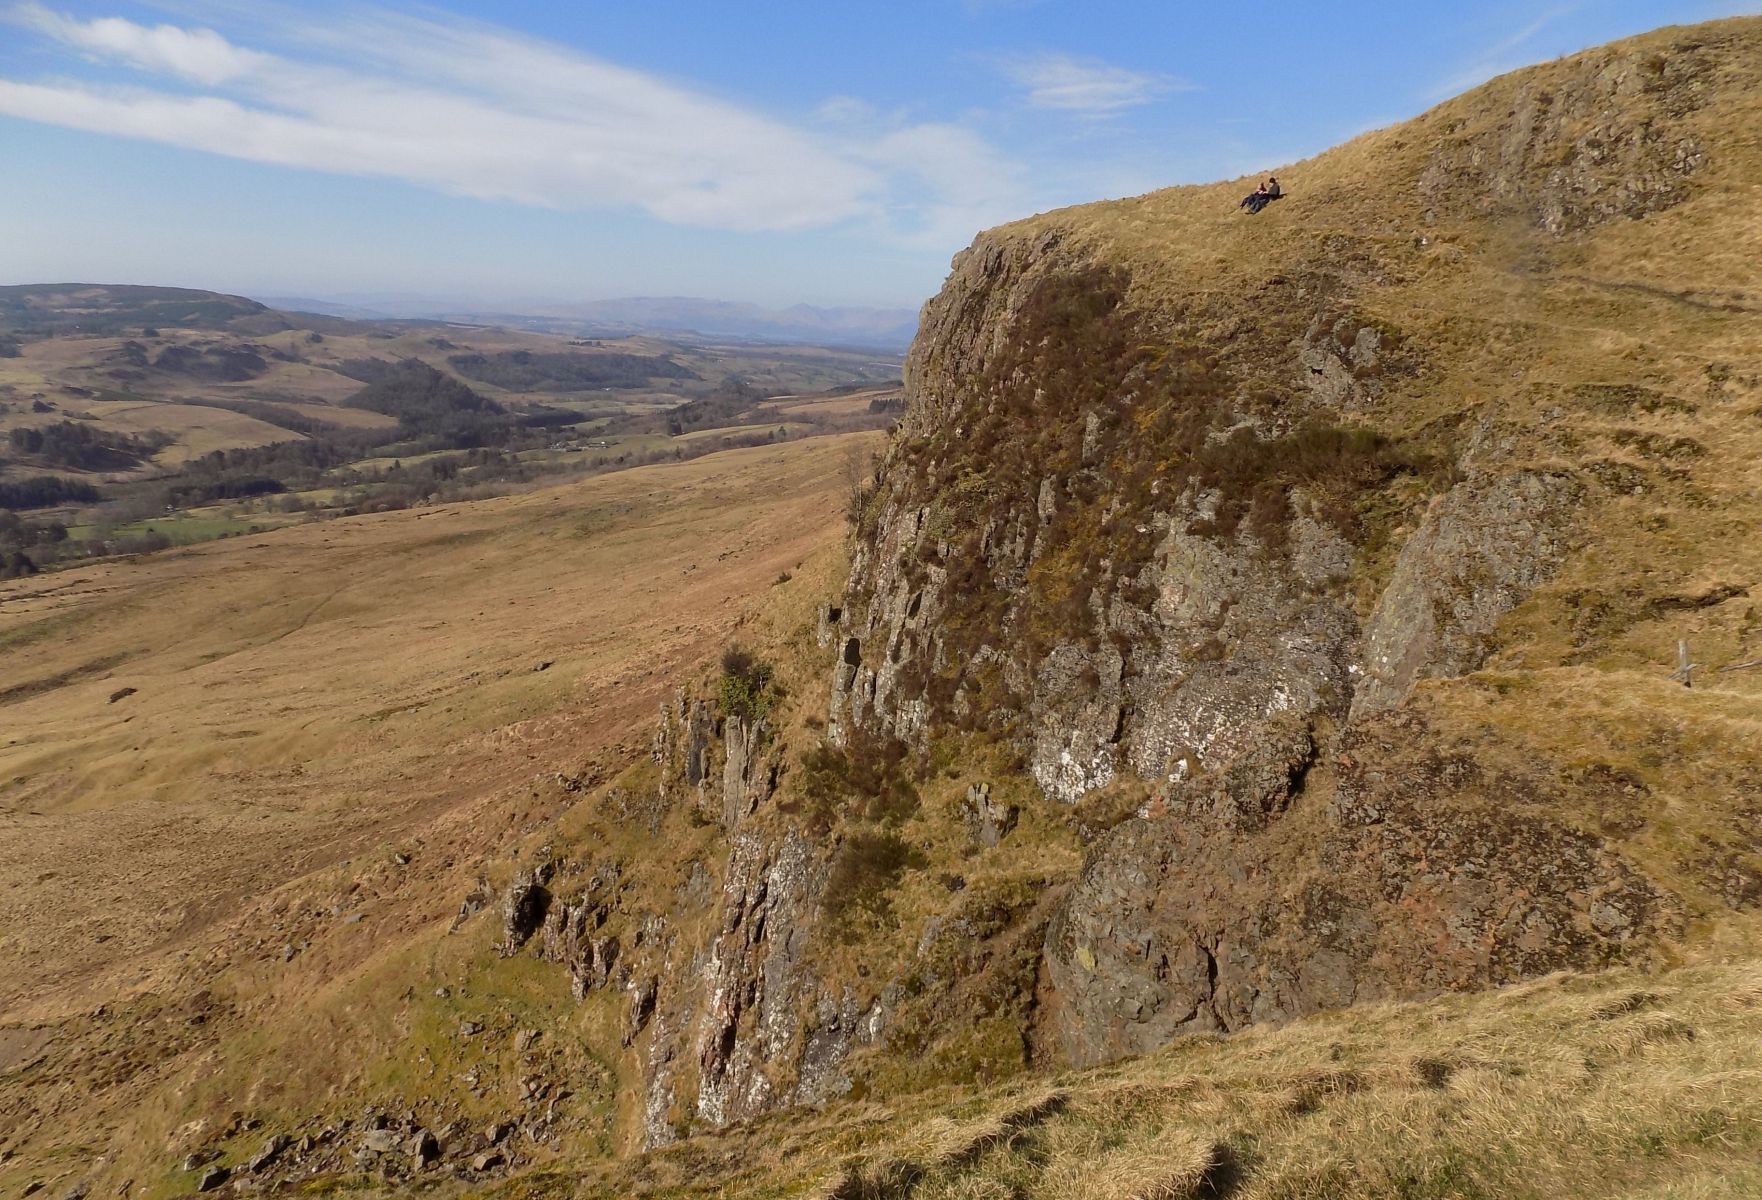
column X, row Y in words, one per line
column 882, row 328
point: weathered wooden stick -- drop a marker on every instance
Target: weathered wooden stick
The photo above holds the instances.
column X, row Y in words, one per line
column 1685, row 667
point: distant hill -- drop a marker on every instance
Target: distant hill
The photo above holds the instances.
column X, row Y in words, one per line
column 45, row 309
column 880, row 328
column 888, row 327
column 52, row 308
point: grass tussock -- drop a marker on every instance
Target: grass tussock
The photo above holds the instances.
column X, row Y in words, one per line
column 1173, row 1170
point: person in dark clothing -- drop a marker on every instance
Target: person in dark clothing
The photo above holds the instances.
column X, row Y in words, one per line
column 1262, row 196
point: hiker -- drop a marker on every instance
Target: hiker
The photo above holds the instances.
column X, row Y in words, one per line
column 1253, row 200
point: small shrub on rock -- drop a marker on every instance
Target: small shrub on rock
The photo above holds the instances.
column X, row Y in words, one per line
column 868, row 864
column 748, row 687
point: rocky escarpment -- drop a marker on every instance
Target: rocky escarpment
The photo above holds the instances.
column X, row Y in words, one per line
column 1160, row 584
column 1104, row 541
column 1201, row 537
column 1571, row 151
column 1421, row 873
column 1179, row 680
column 718, row 1002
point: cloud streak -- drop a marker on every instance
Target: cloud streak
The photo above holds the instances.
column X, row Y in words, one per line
column 1504, row 55
column 475, row 110
column 1086, row 86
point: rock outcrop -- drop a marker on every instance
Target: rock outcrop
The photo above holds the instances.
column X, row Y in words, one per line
column 1231, row 556
column 1136, row 525
column 1420, row 874
column 1481, row 549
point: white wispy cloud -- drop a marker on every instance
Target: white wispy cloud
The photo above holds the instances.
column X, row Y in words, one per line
column 476, row 110
column 1506, row 54
column 1084, row 85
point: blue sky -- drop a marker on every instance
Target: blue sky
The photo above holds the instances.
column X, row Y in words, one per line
column 778, row 152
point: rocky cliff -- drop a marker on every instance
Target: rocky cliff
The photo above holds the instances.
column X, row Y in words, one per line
column 1238, row 506
column 1241, row 622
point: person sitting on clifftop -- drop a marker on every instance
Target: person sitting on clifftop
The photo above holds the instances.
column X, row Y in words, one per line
column 1262, row 196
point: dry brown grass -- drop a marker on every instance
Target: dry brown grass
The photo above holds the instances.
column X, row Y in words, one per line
column 308, row 691
column 1174, row 1168
column 1587, row 1086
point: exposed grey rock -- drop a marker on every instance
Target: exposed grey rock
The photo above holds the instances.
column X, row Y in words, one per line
column 1480, row 551
column 571, row 934
column 660, row 1073
column 826, row 622
column 425, row 1149
column 1195, row 921
column 475, row 901
column 988, row 822
column 272, row 1150
column 212, row 1178
column 754, row 973
column 1573, row 153
column 1340, row 353
column 380, row 1141
column 525, row 903
column 642, row 1007
column 838, row 1025
column 700, row 731
column 749, row 774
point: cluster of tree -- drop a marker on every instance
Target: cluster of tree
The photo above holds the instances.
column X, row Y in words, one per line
column 365, row 370
column 417, row 394
column 527, row 371
column 211, row 364
column 433, row 409
column 80, row 446
column 190, row 494
column 272, row 414
column 25, row 545
column 45, row 491
column 733, row 402
column 292, row 465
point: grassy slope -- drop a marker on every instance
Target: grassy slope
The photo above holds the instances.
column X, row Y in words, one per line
column 1585, row 1086
column 309, row 690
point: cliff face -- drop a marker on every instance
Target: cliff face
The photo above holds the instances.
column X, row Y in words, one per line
column 1242, row 623
column 1201, row 500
